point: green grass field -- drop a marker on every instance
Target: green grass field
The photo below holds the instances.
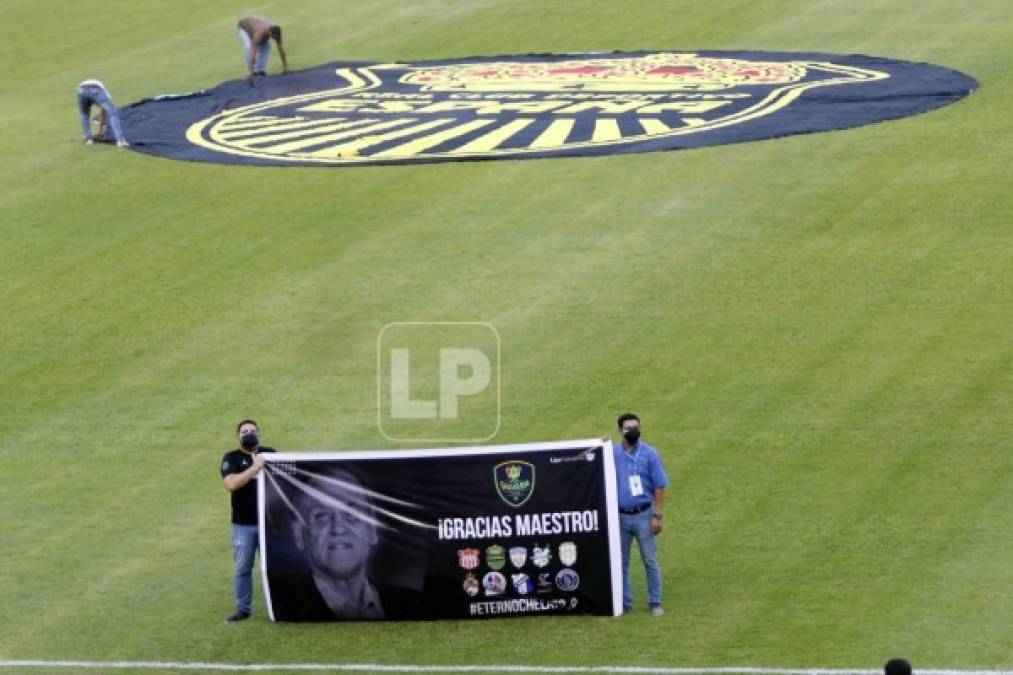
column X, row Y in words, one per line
column 815, row 330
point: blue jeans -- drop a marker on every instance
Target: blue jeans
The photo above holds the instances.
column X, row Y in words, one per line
column 89, row 95
column 263, row 51
column 245, row 542
column 638, row 526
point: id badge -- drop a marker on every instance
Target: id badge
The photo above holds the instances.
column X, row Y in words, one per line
column 636, row 487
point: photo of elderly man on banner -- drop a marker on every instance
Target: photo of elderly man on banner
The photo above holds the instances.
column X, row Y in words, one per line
column 457, row 533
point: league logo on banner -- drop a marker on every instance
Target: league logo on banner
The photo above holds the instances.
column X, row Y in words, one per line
column 404, row 535
column 515, row 482
column 546, row 105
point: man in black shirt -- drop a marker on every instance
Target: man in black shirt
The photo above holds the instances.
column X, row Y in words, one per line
column 239, row 469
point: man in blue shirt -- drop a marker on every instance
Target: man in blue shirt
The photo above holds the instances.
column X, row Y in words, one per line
column 640, row 483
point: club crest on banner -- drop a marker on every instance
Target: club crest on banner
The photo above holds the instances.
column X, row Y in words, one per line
column 541, row 556
column 518, row 556
column 567, row 580
column 470, row 585
column 494, row 583
column 522, row 584
column 495, row 557
column 568, row 553
column 515, row 481
column 467, row 558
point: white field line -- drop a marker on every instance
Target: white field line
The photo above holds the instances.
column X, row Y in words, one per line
column 408, row 668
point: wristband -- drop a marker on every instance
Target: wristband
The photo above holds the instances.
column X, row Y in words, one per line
column 657, row 515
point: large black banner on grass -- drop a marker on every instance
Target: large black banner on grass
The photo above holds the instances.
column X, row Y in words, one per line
column 441, row 534
column 536, row 105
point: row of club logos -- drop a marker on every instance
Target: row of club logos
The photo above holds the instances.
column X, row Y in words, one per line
column 495, row 583
column 496, row 556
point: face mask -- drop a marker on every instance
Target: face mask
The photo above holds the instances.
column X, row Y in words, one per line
column 632, row 436
column 249, row 441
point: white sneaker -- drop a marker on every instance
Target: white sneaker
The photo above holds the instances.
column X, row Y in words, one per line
column 657, row 610
column 122, row 144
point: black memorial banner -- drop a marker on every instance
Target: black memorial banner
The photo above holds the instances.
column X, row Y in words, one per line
column 459, row 533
